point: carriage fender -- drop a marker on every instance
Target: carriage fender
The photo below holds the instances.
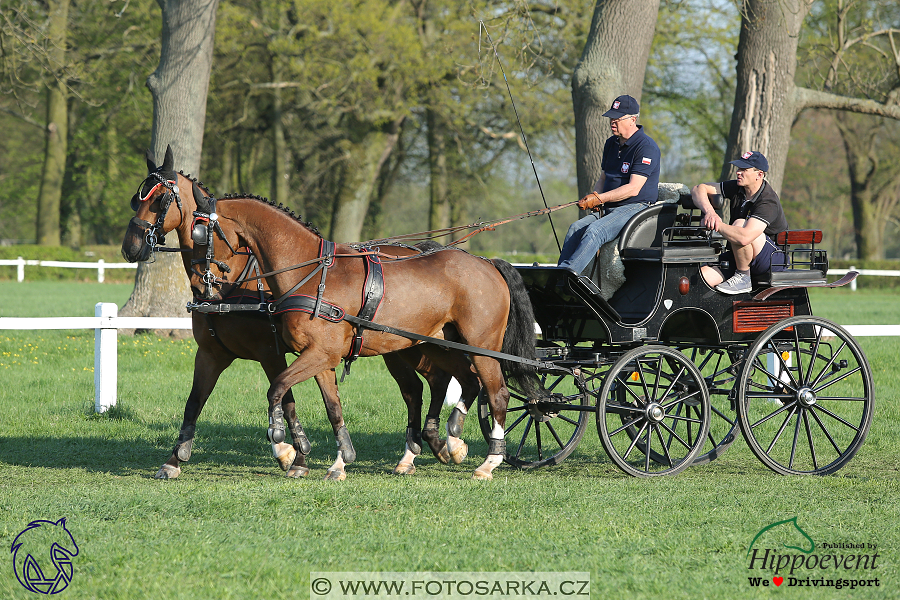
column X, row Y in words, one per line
column 690, row 324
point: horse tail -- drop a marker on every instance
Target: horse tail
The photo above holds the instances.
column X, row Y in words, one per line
column 519, row 339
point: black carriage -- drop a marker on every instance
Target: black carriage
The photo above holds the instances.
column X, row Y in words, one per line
column 671, row 369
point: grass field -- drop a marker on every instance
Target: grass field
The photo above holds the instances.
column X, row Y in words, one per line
column 232, row 526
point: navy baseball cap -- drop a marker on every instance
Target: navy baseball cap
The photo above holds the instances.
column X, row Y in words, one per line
column 621, row 106
column 752, row 160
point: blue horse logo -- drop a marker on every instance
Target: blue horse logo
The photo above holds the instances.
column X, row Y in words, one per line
column 30, row 551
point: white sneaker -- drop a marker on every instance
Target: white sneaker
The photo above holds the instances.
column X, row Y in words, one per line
column 739, row 283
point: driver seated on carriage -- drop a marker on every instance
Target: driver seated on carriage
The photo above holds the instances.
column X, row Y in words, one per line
column 756, row 218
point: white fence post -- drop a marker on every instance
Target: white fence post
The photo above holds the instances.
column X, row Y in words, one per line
column 105, row 357
column 100, row 270
column 853, row 283
column 20, row 269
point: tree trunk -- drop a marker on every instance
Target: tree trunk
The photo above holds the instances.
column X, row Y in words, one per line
column 873, row 192
column 439, row 205
column 179, row 87
column 365, row 157
column 57, row 128
column 613, row 63
column 764, row 100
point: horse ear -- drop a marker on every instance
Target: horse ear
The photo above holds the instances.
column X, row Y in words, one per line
column 151, row 166
column 200, row 199
column 168, row 161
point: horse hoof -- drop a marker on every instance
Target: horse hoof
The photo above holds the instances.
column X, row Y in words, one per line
column 284, row 455
column 297, row 472
column 459, row 453
column 335, row 475
column 443, row 455
column 482, row 475
column 405, row 469
column 167, row 472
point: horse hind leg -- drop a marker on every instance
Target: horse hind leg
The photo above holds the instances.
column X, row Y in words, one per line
column 492, row 378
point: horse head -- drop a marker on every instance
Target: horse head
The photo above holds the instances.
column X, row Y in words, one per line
column 152, row 202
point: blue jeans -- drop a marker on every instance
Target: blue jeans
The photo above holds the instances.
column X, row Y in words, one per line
column 586, row 235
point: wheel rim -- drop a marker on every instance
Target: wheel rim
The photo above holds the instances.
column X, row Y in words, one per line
column 805, row 403
column 541, row 432
column 718, row 370
column 653, row 412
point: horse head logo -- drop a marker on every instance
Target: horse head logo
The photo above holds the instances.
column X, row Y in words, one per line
column 786, row 531
column 42, row 556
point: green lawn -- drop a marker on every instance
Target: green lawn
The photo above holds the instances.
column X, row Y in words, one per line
column 232, row 526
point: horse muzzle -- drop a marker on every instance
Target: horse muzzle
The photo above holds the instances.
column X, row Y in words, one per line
column 135, row 247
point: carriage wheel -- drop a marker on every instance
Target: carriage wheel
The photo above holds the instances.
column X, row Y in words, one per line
column 653, row 412
column 805, row 397
column 720, row 374
column 541, row 431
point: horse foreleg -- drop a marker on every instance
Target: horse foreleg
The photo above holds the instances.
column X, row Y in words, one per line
column 290, row 457
column 207, row 368
column 346, row 454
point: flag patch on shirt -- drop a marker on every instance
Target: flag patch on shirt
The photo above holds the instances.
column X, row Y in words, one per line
column 646, row 160
column 625, row 167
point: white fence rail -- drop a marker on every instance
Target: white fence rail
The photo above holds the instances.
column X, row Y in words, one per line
column 101, row 266
column 106, row 324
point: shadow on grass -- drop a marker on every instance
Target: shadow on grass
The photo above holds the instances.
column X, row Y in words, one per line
column 218, row 448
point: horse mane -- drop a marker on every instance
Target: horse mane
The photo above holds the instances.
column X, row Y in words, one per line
column 286, row 210
column 202, row 185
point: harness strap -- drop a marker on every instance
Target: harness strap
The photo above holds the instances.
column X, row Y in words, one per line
column 453, row 345
column 372, row 295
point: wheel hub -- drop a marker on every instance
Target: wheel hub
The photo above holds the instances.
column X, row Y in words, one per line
column 655, row 412
column 806, row 397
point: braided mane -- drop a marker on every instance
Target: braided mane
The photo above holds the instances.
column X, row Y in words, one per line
column 286, row 210
column 198, row 182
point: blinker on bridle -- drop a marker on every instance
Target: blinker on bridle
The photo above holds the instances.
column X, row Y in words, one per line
column 151, row 238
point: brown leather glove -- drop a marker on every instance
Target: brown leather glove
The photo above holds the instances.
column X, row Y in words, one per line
column 590, row 201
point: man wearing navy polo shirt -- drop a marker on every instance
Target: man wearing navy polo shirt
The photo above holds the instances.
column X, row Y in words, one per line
column 629, row 183
column 756, row 218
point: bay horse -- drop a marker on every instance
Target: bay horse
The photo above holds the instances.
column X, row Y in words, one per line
column 445, row 295
column 248, row 335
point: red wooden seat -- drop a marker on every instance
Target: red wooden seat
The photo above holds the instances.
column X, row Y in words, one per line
column 799, row 236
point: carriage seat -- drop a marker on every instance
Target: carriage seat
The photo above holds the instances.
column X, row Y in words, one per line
column 803, row 265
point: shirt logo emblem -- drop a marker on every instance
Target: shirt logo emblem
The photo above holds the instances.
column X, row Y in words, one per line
column 646, row 160
column 625, row 167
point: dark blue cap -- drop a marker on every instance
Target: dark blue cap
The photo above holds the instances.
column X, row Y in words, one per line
column 753, row 160
column 621, row 106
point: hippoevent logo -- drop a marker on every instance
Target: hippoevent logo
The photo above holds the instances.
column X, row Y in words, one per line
column 42, row 556
column 784, row 554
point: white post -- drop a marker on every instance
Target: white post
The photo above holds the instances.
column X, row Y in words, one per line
column 105, row 357
column 853, row 283
column 20, row 270
column 100, row 270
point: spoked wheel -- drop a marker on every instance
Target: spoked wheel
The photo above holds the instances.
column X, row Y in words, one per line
column 805, row 397
column 720, row 374
column 541, row 431
column 653, row 412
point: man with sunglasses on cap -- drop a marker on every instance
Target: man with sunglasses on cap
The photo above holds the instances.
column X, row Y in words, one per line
column 756, row 218
column 629, row 183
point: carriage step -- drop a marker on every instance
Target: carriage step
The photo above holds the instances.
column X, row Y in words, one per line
column 588, row 291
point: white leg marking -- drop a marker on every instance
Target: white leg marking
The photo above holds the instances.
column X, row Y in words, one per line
column 462, row 407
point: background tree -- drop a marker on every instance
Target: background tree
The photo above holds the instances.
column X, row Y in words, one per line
column 767, row 97
column 613, row 63
column 178, row 87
